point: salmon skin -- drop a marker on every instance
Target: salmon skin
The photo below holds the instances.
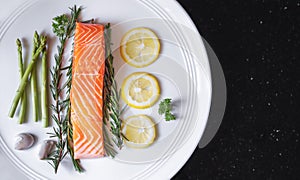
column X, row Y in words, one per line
column 87, row 91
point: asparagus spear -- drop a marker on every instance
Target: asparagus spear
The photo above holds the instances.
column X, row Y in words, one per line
column 24, row 79
column 33, row 80
column 21, row 69
column 44, row 94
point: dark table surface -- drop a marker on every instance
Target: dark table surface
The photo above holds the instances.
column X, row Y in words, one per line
column 258, row 45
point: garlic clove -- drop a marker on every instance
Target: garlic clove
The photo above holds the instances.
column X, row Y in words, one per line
column 24, row 141
column 46, row 148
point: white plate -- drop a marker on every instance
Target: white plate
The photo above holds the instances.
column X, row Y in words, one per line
column 182, row 70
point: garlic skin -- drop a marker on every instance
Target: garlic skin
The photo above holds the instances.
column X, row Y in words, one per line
column 46, row 148
column 24, row 141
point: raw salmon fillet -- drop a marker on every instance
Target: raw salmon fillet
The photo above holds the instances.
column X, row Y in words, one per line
column 86, row 92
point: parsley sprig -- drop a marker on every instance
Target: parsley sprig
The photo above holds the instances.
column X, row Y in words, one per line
column 165, row 108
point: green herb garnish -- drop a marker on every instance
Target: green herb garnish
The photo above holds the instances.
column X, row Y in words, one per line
column 63, row 27
column 112, row 111
column 165, row 107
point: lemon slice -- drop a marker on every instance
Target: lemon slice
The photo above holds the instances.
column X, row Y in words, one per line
column 140, row 90
column 139, row 131
column 140, row 47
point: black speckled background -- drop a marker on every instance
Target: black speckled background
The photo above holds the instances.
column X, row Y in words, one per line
column 258, row 46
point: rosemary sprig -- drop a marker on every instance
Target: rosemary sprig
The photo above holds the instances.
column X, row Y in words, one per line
column 63, row 27
column 111, row 96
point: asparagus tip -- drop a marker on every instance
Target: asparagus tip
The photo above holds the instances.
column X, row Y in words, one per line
column 36, row 38
column 18, row 41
